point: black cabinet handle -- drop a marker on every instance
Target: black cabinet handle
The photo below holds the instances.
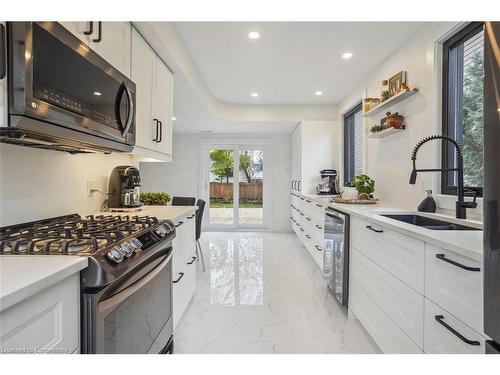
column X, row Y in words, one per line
column 3, row 52
column 302, row 198
column 319, row 205
column 297, row 224
column 308, row 218
column 308, row 201
column 374, row 230
column 299, row 183
column 308, row 236
column 318, row 248
column 99, row 33
column 192, row 260
column 179, row 279
column 301, row 229
column 161, row 132
column 190, row 217
column 460, row 265
column 319, row 226
column 179, row 224
column 301, row 214
column 90, row 31
column 155, row 139
column 440, row 320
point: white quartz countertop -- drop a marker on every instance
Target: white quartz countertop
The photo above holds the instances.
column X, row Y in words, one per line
column 22, row 276
column 173, row 213
column 466, row 243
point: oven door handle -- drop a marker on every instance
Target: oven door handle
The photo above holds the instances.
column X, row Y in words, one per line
column 111, row 303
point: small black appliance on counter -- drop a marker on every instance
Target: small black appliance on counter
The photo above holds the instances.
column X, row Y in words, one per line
column 330, row 184
column 124, row 184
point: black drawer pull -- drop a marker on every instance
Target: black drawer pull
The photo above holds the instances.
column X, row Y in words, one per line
column 319, row 205
column 301, row 214
column 308, row 236
column 301, row 229
column 308, row 218
column 318, row 248
column 302, row 198
column 179, row 224
column 319, row 226
column 374, row 230
column 192, row 260
column 190, row 217
column 179, row 279
column 308, row 201
column 297, row 224
column 440, row 320
column 460, row 265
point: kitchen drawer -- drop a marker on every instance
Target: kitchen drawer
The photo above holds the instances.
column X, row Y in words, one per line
column 388, row 336
column 399, row 302
column 400, row 255
column 47, row 322
column 439, row 339
column 457, row 290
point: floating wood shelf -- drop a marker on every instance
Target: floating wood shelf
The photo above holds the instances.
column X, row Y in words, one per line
column 389, row 102
column 386, row 132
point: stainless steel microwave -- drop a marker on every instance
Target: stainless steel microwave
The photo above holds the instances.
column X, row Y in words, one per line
column 63, row 95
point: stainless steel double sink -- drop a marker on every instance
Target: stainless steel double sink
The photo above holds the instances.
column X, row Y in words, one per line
column 428, row 223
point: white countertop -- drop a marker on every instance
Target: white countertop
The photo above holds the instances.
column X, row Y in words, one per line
column 466, row 243
column 161, row 212
column 22, row 276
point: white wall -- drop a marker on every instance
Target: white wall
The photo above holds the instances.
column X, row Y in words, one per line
column 181, row 176
column 387, row 160
column 37, row 184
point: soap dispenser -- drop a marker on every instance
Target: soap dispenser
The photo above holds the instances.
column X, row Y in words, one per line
column 428, row 204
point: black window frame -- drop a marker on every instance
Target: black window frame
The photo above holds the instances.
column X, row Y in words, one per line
column 349, row 152
column 447, row 150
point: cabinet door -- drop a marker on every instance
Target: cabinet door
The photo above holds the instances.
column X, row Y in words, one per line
column 113, row 44
column 143, row 73
column 163, row 105
column 79, row 29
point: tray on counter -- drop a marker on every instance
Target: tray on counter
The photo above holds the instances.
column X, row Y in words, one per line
column 355, row 201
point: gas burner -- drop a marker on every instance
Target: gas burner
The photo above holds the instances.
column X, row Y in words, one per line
column 71, row 234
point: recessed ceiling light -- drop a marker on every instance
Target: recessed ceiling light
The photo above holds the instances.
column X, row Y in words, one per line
column 174, row 118
column 318, row 93
column 347, row 55
column 97, row 93
column 254, row 94
column 254, row 35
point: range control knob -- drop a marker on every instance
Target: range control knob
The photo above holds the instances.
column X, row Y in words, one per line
column 115, row 255
column 127, row 249
column 136, row 244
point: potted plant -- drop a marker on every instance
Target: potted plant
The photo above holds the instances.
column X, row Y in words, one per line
column 155, row 199
column 364, row 185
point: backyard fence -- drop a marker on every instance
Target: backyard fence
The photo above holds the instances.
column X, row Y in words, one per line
column 248, row 190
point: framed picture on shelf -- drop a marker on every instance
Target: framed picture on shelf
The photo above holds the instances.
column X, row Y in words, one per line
column 396, row 82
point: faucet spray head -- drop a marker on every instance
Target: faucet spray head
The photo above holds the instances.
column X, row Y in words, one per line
column 413, row 177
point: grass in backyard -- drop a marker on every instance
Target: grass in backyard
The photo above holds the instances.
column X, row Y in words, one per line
column 230, row 204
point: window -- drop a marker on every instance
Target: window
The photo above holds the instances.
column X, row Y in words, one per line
column 353, row 144
column 463, row 78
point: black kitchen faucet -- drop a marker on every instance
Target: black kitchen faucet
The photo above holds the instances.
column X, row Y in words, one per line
column 461, row 205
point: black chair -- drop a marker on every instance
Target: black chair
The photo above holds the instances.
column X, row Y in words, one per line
column 199, row 218
column 183, row 201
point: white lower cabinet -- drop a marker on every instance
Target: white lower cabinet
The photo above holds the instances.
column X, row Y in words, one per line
column 445, row 334
column 388, row 272
column 48, row 322
column 184, row 266
column 307, row 221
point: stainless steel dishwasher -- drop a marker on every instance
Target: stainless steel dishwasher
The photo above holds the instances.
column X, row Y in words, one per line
column 336, row 254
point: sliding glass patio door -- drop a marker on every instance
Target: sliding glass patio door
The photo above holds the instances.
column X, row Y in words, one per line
column 234, row 186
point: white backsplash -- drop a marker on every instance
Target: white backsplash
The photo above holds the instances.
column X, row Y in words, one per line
column 37, row 184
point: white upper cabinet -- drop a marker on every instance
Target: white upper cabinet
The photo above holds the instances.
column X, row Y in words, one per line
column 154, row 91
column 111, row 40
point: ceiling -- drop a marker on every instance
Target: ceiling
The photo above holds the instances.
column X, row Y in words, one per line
column 291, row 60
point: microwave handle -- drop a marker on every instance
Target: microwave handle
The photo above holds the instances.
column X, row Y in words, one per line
column 130, row 114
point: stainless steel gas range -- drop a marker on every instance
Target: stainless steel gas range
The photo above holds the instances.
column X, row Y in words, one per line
column 126, row 291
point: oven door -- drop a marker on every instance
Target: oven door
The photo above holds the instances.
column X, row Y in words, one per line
column 60, row 80
column 136, row 320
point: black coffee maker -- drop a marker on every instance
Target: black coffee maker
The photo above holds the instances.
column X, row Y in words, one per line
column 124, row 184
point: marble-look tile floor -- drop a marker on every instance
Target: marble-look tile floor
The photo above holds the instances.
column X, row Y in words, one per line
column 263, row 293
